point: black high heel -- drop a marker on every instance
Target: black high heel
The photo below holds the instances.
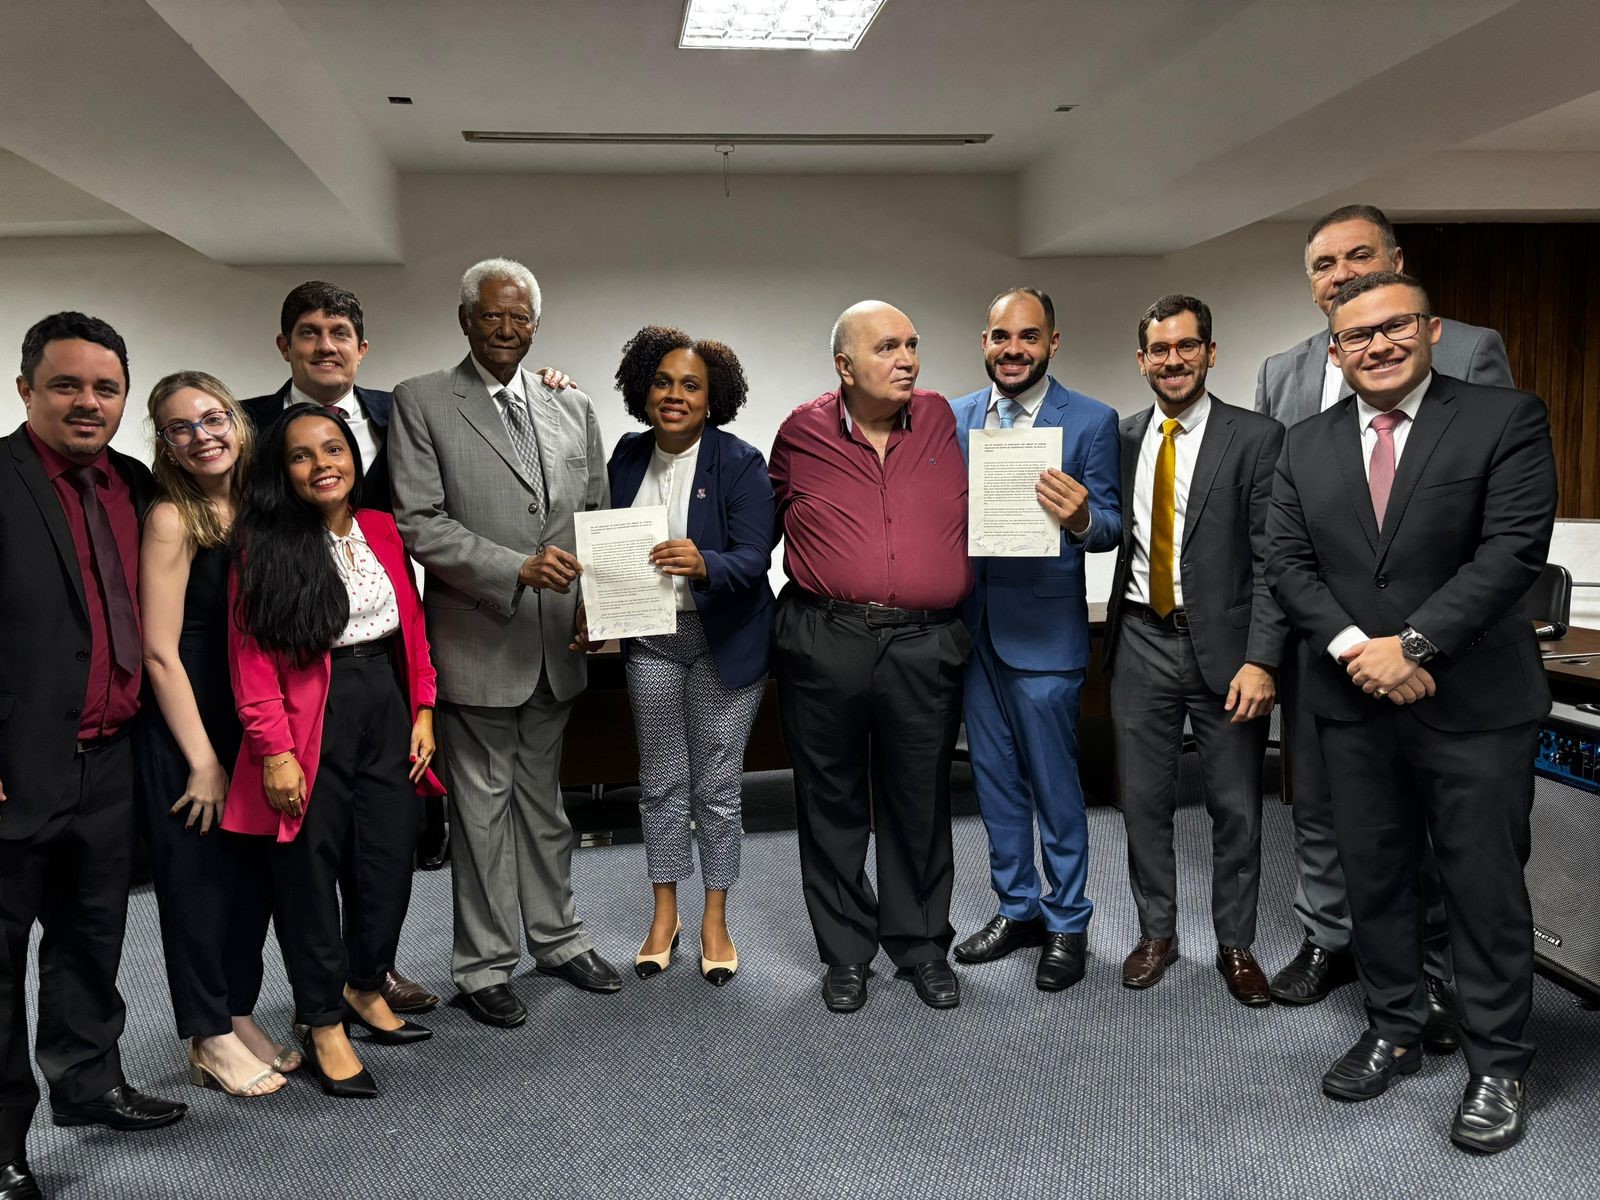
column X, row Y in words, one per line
column 360, row 1086
column 408, row 1032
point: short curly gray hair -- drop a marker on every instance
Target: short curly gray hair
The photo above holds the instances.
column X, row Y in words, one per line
column 498, row 268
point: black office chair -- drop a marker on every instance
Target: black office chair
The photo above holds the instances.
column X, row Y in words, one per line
column 1549, row 601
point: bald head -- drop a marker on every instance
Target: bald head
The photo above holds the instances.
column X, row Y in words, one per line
column 875, row 353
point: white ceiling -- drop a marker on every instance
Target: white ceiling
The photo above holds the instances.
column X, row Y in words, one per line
column 259, row 130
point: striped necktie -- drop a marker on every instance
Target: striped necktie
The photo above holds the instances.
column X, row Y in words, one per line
column 519, row 424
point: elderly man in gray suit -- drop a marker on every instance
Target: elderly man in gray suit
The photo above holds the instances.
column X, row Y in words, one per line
column 1345, row 244
column 1192, row 631
column 488, row 467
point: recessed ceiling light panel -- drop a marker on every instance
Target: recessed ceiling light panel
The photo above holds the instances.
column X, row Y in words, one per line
column 776, row 24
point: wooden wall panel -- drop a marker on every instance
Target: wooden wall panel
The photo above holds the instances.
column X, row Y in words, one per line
column 1539, row 285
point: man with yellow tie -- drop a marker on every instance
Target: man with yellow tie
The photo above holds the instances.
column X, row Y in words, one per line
column 1192, row 631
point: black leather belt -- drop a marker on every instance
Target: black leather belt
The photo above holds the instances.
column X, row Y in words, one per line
column 878, row 614
column 1176, row 620
column 90, row 745
column 377, row 649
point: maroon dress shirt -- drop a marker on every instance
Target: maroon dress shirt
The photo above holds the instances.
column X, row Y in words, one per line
column 113, row 694
column 854, row 528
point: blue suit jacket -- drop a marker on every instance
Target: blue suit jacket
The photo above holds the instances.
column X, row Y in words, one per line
column 1038, row 616
column 731, row 522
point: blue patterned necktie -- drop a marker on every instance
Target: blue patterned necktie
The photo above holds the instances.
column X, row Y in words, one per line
column 1008, row 412
column 519, row 424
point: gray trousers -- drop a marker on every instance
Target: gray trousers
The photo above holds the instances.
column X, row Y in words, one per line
column 511, row 844
column 1155, row 683
column 692, row 734
column 1321, row 900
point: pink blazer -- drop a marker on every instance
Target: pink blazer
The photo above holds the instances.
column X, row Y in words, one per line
column 281, row 705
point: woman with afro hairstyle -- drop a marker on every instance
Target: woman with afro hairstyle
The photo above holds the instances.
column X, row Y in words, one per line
column 695, row 692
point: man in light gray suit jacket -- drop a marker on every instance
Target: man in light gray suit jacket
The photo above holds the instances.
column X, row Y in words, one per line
column 1192, row 631
column 1299, row 383
column 488, row 467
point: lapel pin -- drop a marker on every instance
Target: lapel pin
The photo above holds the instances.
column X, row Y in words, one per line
column 700, row 494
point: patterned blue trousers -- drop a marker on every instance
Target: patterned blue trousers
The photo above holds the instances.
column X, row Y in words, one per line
column 692, row 733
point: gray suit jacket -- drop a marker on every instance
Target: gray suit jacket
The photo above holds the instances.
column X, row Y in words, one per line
column 1289, row 385
column 465, row 509
column 1233, row 618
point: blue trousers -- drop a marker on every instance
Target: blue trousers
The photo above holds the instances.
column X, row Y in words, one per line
column 1022, row 734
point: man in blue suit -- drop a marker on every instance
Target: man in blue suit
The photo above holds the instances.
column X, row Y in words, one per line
column 1030, row 630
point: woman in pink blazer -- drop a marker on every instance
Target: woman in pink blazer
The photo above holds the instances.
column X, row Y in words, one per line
column 335, row 691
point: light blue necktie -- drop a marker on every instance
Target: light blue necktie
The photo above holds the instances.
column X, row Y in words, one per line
column 1008, row 409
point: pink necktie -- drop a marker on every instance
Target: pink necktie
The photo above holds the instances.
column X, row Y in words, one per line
column 1380, row 470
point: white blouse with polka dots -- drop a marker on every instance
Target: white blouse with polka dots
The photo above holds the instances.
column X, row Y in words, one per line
column 374, row 611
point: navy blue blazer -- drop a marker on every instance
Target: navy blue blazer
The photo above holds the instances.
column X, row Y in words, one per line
column 731, row 523
column 1039, row 615
column 375, row 491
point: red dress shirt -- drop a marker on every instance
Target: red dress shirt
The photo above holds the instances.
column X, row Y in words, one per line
column 854, row 528
column 113, row 694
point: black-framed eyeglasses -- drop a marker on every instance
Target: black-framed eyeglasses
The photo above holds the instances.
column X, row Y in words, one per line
column 1189, row 349
column 1401, row 328
column 180, row 433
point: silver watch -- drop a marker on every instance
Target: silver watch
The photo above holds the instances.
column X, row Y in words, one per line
column 1416, row 647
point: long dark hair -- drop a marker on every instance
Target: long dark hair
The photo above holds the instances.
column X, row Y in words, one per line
column 290, row 595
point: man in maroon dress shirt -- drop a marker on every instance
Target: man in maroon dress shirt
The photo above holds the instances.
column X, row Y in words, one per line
column 70, row 667
column 872, row 500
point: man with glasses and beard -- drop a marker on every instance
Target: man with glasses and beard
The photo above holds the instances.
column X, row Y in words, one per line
column 1192, row 631
column 1030, row 630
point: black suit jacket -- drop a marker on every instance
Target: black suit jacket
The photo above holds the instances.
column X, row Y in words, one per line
column 1466, row 533
column 1233, row 618
column 44, row 636
column 375, row 491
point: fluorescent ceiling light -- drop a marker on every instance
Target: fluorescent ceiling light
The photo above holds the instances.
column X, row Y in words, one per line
column 776, row 24
column 737, row 139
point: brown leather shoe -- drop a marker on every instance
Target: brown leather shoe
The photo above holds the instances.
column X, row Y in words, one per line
column 404, row 996
column 1244, row 976
column 1149, row 962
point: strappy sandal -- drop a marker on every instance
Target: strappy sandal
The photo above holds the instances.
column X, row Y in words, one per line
column 203, row 1076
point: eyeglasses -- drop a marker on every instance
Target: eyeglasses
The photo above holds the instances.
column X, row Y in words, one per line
column 180, row 432
column 1401, row 328
column 1188, row 350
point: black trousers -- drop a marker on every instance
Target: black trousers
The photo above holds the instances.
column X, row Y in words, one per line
column 72, row 878
column 215, row 896
column 1396, row 782
column 870, row 716
column 361, row 820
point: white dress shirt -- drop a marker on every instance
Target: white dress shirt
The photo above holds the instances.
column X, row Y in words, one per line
column 1352, row 634
column 1334, row 387
column 361, row 429
column 1028, row 409
column 515, row 387
column 1186, row 447
column 374, row 610
column 668, row 480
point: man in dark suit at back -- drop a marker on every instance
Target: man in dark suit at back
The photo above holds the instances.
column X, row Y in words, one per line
column 1343, row 245
column 1192, row 631
column 70, row 670
column 1406, row 524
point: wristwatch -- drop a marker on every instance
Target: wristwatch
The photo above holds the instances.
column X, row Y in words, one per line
column 1416, row 647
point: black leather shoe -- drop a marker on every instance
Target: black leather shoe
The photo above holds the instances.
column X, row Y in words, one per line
column 1367, row 1068
column 999, row 938
column 844, row 989
column 17, row 1182
column 1311, row 975
column 408, row 1032
column 1442, row 1033
column 124, row 1107
column 492, row 1005
column 936, row 983
column 1491, row 1115
column 1062, row 961
column 588, row 971
column 360, row 1086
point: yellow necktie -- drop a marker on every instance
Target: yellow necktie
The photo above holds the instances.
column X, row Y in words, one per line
column 1163, row 504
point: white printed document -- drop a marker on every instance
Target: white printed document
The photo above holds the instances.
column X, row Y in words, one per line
column 624, row 595
column 1004, row 516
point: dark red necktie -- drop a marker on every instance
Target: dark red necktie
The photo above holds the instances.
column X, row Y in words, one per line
column 124, row 625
